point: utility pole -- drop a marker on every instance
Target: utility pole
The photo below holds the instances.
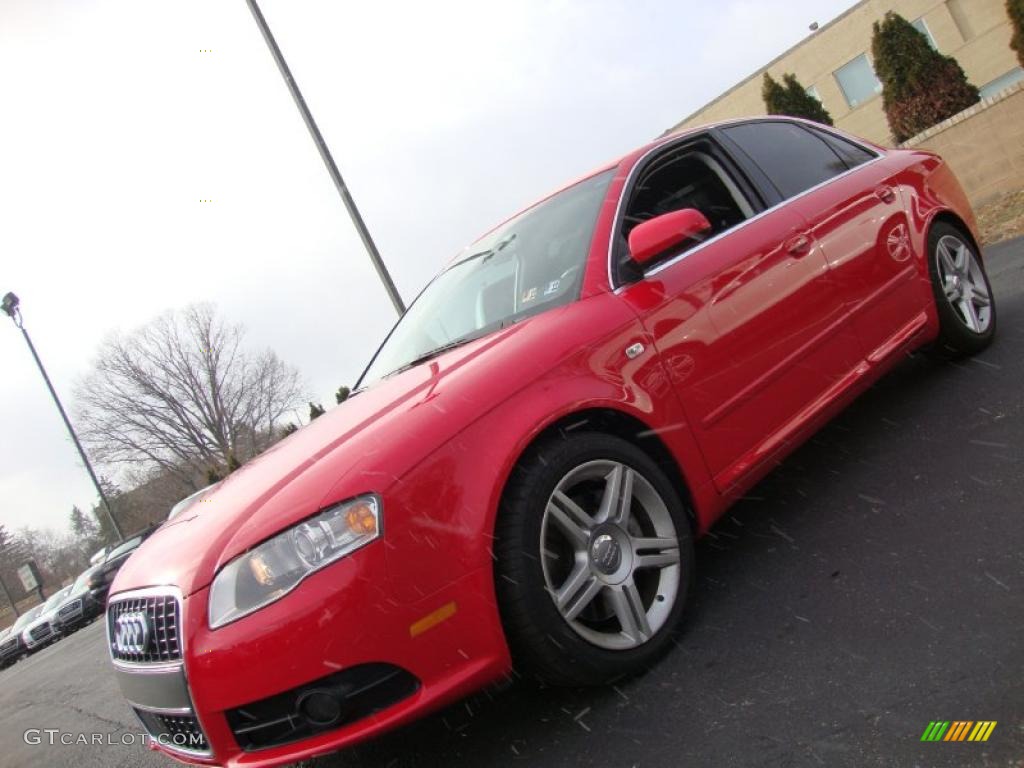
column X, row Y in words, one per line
column 11, row 309
column 325, row 155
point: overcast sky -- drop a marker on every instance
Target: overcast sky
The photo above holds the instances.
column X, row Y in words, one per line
column 443, row 117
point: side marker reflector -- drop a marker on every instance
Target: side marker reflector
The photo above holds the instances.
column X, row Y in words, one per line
column 431, row 620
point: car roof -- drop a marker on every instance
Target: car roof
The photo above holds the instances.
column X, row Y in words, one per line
column 631, row 156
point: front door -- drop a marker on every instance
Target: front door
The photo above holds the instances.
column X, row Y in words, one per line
column 745, row 321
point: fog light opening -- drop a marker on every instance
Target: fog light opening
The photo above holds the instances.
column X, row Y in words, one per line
column 320, row 707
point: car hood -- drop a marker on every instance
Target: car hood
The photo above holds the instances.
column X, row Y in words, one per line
column 45, row 618
column 363, row 445
column 74, row 595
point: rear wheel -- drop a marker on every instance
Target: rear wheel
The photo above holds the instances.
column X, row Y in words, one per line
column 963, row 295
column 594, row 560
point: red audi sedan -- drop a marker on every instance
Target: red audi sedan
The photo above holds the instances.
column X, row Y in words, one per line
column 519, row 479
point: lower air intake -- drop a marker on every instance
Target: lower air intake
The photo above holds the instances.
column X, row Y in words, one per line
column 322, row 705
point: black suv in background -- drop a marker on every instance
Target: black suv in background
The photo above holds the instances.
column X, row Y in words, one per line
column 79, row 607
column 103, row 574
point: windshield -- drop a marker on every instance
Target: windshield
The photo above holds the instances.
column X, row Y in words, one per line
column 529, row 264
column 27, row 618
column 80, row 582
column 130, row 544
column 55, row 598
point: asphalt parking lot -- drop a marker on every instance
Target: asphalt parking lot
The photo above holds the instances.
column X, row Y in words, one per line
column 872, row 584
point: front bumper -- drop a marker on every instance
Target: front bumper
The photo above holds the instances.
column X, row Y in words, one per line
column 340, row 632
column 11, row 651
column 78, row 613
column 42, row 639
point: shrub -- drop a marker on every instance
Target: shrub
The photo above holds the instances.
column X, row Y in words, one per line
column 1015, row 10
column 791, row 98
column 920, row 86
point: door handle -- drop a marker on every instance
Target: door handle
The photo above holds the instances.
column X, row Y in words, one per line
column 885, row 194
column 799, row 245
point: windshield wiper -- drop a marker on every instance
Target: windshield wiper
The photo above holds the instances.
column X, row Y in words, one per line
column 434, row 353
column 498, row 248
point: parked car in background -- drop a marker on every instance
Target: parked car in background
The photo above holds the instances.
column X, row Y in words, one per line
column 103, row 574
column 10, row 647
column 78, row 607
column 99, row 557
column 13, row 647
column 521, row 473
column 44, row 628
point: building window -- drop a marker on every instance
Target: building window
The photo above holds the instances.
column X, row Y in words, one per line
column 857, row 81
column 921, row 27
column 812, row 91
column 1012, row 77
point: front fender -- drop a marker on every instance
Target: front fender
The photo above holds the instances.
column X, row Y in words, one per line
column 441, row 515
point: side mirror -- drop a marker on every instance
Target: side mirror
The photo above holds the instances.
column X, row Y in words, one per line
column 649, row 240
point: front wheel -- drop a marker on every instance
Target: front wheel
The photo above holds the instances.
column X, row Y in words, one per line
column 963, row 294
column 594, row 560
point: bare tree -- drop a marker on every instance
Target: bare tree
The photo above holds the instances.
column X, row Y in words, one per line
column 184, row 395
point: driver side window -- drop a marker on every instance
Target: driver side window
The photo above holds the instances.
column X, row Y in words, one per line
column 690, row 177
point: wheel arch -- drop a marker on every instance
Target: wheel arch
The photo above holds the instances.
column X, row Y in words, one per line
column 627, row 427
column 949, row 217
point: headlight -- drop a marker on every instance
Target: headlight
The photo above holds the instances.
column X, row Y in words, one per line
column 275, row 567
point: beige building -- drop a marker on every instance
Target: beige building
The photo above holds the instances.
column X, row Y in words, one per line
column 834, row 62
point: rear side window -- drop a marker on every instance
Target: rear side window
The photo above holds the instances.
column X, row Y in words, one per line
column 851, row 154
column 794, row 158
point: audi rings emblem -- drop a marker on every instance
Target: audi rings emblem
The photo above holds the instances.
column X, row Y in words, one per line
column 131, row 632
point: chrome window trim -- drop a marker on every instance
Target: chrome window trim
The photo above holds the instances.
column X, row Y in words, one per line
column 164, row 666
column 690, row 136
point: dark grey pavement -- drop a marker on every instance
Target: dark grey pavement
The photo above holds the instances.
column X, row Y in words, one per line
column 873, row 583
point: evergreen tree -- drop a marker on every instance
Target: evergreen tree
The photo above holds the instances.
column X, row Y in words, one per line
column 791, row 98
column 1015, row 10
column 342, row 394
column 118, row 507
column 83, row 526
column 288, row 429
column 920, row 86
column 315, row 411
column 13, row 554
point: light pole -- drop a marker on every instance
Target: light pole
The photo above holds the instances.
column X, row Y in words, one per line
column 325, row 155
column 11, row 309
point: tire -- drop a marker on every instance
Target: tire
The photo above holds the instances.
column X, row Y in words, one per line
column 966, row 325
column 599, row 570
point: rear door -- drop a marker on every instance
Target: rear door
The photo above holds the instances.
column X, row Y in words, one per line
column 857, row 216
column 741, row 319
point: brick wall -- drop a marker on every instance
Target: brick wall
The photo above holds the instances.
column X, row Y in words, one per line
column 984, row 145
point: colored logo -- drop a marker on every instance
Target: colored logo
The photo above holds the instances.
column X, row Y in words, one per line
column 958, row 730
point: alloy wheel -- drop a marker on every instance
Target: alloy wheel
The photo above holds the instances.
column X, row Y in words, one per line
column 610, row 555
column 963, row 283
